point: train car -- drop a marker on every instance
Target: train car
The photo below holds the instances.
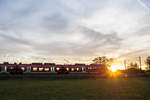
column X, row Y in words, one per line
column 42, row 68
column 74, row 69
column 49, row 67
column 96, row 68
column 77, row 68
column 24, row 68
column 36, row 67
column 60, row 69
column 12, row 69
column 80, row 68
column 3, row 67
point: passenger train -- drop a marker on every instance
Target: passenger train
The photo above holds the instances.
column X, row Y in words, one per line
column 50, row 68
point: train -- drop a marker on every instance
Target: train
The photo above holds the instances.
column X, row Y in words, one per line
column 39, row 68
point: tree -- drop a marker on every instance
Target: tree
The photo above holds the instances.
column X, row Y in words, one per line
column 133, row 65
column 148, row 61
column 103, row 60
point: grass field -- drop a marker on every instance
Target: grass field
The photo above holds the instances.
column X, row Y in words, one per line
column 75, row 89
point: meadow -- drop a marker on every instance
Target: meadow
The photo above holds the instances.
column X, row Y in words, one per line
column 75, row 89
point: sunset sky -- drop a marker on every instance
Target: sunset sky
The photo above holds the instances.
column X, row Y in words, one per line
column 73, row 31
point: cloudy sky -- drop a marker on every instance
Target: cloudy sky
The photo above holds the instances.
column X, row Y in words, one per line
column 65, row 31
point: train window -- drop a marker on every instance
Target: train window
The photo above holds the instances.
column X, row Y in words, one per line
column 57, row 68
column 89, row 67
column 41, row 69
column 77, row 69
column 67, row 69
column 22, row 68
column 34, row 68
column 72, row 69
column 11, row 67
column 46, row 69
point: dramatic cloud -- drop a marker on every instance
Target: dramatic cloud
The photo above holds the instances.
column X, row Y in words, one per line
column 73, row 31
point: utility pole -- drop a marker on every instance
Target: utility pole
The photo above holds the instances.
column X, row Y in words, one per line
column 140, row 62
column 125, row 64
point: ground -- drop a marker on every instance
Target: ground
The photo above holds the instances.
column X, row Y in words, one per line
column 75, row 89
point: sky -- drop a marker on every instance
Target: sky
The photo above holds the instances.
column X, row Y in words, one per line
column 73, row 31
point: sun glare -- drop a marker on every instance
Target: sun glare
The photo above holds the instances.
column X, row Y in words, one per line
column 114, row 68
column 144, row 67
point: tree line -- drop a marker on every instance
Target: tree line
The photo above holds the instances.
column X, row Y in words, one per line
column 109, row 61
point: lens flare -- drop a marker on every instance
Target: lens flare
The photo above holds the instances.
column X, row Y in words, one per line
column 114, row 68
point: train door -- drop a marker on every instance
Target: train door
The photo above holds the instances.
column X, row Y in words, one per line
column 28, row 69
column 52, row 69
column 3, row 69
column 83, row 69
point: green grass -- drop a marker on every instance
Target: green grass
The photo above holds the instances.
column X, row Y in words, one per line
column 75, row 89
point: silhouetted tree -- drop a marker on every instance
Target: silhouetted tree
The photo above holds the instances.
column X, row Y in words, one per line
column 103, row 60
column 133, row 65
column 136, row 65
column 148, row 61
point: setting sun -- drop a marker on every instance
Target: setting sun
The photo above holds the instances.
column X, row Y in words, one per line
column 114, row 68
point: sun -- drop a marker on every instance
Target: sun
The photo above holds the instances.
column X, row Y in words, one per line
column 114, row 68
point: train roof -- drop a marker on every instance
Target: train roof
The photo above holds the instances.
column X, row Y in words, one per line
column 36, row 63
column 80, row 64
column 50, row 64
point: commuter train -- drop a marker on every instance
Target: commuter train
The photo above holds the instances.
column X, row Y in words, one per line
column 50, row 68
